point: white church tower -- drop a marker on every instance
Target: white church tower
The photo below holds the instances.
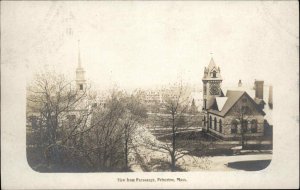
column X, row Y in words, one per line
column 80, row 78
column 212, row 81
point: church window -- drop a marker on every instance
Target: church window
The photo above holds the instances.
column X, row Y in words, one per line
column 220, row 126
column 254, row 126
column 234, row 127
column 204, row 119
column 215, row 124
column 214, row 74
column 210, row 121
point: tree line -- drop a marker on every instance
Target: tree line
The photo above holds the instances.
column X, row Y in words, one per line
column 68, row 130
column 73, row 130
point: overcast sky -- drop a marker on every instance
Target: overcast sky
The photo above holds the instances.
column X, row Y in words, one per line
column 141, row 44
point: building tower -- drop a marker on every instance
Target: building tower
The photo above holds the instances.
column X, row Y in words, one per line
column 80, row 79
column 211, row 83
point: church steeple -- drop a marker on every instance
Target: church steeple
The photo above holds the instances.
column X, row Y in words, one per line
column 211, row 83
column 79, row 59
column 212, row 72
column 80, row 78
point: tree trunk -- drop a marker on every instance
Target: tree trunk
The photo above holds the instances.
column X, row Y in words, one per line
column 126, row 154
column 126, row 136
column 173, row 161
column 242, row 139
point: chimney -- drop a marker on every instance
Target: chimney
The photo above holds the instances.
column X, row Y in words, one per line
column 240, row 83
column 259, row 89
column 270, row 101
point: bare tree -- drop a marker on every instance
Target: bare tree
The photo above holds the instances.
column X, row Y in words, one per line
column 243, row 113
column 135, row 113
column 103, row 147
column 176, row 120
column 52, row 99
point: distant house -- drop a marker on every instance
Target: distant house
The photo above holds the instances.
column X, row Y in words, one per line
column 232, row 114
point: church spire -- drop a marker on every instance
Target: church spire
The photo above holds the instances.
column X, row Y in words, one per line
column 79, row 59
column 80, row 78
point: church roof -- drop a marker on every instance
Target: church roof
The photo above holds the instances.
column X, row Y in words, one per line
column 212, row 67
column 232, row 99
column 251, row 92
column 212, row 64
column 221, row 102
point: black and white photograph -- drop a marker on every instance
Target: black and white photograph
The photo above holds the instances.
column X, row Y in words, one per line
column 149, row 94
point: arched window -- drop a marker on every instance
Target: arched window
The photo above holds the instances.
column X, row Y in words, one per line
column 210, row 121
column 234, row 124
column 215, row 123
column 214, row 74
column 254, row 126
column 220, row 126
column 244, row 126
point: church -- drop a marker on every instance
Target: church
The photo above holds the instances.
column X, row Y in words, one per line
column 234, row 114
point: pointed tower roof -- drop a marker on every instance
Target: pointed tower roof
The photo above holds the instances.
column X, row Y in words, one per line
column 79, row 58
column 212, row 64
column 79, row 70
column 212, row 67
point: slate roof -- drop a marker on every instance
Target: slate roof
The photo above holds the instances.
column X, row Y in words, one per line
column 251, row 92
column 232, row 99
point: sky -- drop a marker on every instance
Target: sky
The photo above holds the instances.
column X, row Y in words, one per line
column 135, row 44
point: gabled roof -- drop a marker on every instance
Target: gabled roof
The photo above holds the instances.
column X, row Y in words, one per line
column 211, row 102
column 232, row 98
column 251, row 92
column 221, row 102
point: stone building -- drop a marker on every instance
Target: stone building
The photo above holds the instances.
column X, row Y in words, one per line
column 233, row 114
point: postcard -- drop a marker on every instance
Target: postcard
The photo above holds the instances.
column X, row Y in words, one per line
column 149, row 94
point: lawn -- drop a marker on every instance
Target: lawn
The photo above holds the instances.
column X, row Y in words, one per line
column 199, row 143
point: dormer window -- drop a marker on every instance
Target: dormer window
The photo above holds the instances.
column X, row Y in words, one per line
column 214, row 74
